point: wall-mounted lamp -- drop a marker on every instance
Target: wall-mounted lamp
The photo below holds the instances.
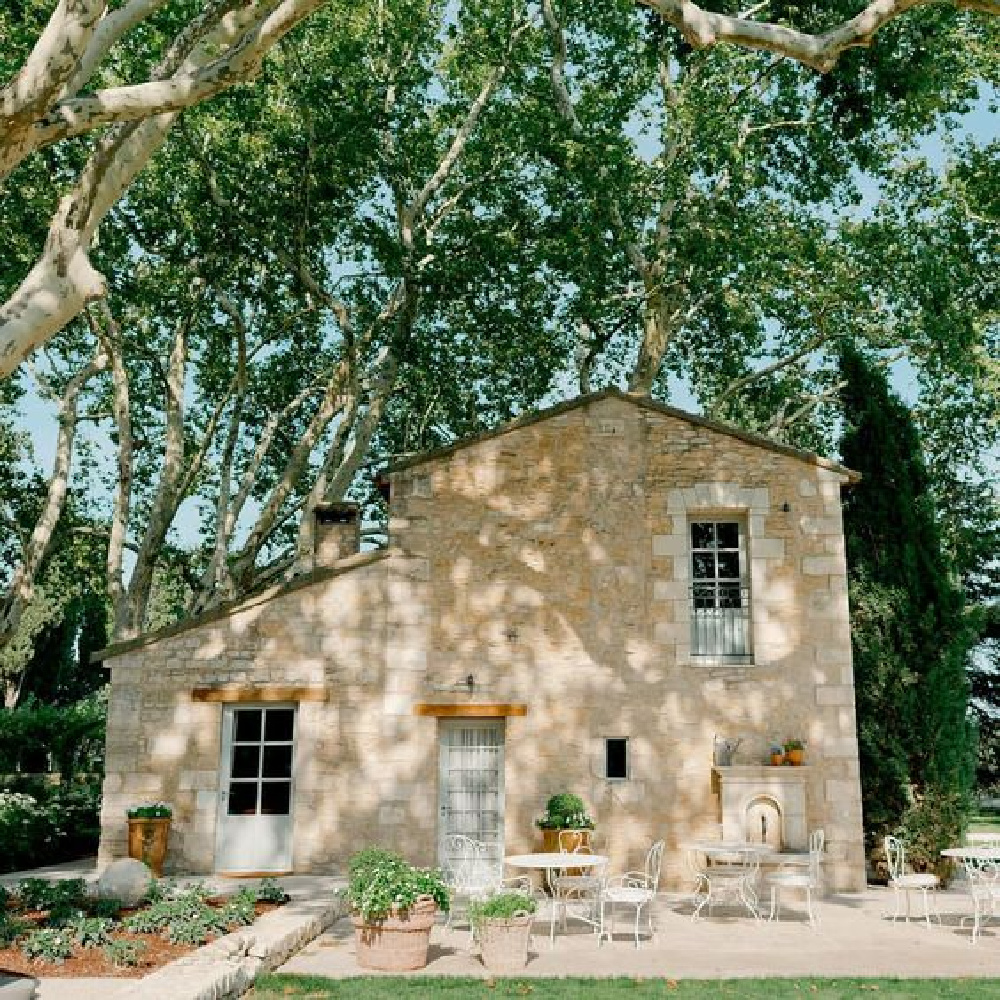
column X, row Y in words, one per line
column 511, row 633
column 786, row 506
column 470, row 683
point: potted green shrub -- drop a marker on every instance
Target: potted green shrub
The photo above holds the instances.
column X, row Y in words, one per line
column 148, row 833
column 502, row 926
column 793, row 751
column 565, row 811
column 393, row 905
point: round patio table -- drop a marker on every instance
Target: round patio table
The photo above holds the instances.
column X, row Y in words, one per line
column 550, row 861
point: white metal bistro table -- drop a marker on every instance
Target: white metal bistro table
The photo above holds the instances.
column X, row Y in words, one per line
column 735, row 871
column 550, row 861
column 982, row 871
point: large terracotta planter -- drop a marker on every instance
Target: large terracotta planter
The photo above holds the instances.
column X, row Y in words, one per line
column 571, row 840
column 147, row 841
column 504, row 943
column 794, row 757
column 398, row 942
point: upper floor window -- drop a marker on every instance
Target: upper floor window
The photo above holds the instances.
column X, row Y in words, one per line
column 720, row 599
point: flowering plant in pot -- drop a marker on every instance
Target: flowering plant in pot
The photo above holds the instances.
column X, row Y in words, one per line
column 502, row 926
column 148, row 833
column 393, row 906
column 793, row 751
column 777, row 754
column 565, row 811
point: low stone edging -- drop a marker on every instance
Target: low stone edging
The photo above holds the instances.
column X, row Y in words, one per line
column 227, row 967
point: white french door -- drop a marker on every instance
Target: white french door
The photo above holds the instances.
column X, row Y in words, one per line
column 471, row 784
column 255, row 797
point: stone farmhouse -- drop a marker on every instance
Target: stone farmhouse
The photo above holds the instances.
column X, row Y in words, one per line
column 588, row 599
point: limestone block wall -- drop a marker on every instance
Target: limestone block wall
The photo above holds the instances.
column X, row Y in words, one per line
column 355, row 774
column 558, row 560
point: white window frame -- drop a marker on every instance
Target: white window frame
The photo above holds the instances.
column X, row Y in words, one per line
column 721, row 637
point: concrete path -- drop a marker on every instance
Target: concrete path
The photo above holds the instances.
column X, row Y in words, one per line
column 853, row 939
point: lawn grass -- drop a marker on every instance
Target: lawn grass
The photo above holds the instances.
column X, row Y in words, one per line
column 282, row 987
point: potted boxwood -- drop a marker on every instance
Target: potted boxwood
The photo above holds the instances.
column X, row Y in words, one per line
column 565, row 811
column 793, row 751
column 148, row 833
column 502, row 926
column 393, row 905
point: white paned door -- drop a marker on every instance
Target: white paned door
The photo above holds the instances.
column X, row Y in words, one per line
column 471, row 784
column 257, row 783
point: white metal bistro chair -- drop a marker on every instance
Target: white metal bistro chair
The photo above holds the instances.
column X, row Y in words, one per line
column 633, row 889
column 582, row 890
column 471, row 874
column 799, row 879
column 983, row 881
column 904, row 882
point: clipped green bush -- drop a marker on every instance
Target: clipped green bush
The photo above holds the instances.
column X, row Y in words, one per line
column 565, row 811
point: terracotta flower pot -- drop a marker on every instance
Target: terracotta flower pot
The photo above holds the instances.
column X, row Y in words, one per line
column 147, row 841
column 794, row 757
column 503, row 944
column 398, row 942
column 777, row 759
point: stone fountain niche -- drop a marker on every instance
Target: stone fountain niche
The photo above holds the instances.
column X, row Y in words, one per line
column 764, row 805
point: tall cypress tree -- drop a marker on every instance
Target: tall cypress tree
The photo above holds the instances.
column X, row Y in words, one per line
column 909, row 635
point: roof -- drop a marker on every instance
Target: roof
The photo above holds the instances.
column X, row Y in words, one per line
column 242, row 604
column 643, row 402
column 363, row 559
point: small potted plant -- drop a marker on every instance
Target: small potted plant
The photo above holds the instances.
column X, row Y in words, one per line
column 777, row 755
column 565, row 812
column 393, row 905
column 148, row 833
column 503, row 929
column 793, row 752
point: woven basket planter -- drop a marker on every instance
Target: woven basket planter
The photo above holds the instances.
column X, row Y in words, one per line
column 504, row 943
column 398, row 942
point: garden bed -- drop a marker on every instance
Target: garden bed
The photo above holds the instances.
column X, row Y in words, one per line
column 53, row 929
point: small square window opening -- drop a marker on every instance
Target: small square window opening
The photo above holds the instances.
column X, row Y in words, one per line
column 616, row 758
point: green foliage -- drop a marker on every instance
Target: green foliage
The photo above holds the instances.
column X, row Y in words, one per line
column 502, row 906
column 934, row 821
column 70, row 737
column 565, row 811
column 910, row 636
column 52, row 894
column 125, row 954
column 793, row 745
column 150, row 810
column 51, row 823
column 381, row 880
column 48, row 945
column 11, row 928
column 89, row 932
column 104, row 907
column 268, row 891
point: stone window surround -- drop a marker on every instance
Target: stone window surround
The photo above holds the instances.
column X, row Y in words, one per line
column 716, row 501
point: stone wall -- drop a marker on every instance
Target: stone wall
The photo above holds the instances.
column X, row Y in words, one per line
column 558, row 561
column 551, row 564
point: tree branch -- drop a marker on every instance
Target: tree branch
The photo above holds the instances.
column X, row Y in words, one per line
column 702, row 28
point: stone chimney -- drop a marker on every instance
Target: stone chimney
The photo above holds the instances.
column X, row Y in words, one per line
column 337, row 533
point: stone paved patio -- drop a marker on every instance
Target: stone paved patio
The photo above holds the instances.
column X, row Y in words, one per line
column 853, row 939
